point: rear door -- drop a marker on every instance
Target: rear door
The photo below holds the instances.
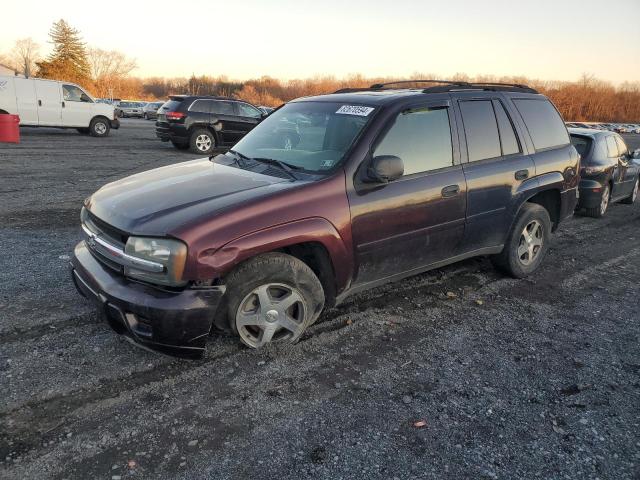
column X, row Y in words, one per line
column 495, row 165
column 418, row 220
column 26, row 101
column 248, row 116
column 227, row 122
column 77, row 107
column 49, row 95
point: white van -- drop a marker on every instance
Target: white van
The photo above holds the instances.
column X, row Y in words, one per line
column 51, row 103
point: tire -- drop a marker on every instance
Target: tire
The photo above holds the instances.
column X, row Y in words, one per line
column 180, row 146
column 83, row 131
column 144, row 115
column 522, row 255
column 605, row 200
column 99, row 127
column 631, row 199
column 202, row 141
column 292, row 294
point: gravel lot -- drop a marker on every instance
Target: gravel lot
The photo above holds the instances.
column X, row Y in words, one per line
column 535, row 378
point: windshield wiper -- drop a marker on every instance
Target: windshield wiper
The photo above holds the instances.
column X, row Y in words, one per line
column 285, row 167
column 240, row 159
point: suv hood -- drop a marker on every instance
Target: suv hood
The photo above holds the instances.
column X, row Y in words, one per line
column 158, row 201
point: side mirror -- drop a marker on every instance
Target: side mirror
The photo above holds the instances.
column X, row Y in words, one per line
column 385, row 169
column 85, row 98
column 635, row 154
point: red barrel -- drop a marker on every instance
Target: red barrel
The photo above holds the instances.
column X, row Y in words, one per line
column 10, row 128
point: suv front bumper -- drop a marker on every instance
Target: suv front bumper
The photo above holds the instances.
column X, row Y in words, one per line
column 175, row 322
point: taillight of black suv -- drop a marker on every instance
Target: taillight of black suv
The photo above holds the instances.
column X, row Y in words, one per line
column 204, row 123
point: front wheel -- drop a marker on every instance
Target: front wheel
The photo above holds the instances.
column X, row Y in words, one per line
column 631, row 199
column 202, row 141
column 99, row 127
column 527, row 243
column 270, row 298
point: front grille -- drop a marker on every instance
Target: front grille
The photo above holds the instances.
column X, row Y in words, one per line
column 106, row 231
column 109, row 234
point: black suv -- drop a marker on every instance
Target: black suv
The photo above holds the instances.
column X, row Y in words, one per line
column 202, row 123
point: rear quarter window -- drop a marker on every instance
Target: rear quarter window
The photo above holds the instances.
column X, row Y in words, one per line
column 582, row 144
column 543, row 122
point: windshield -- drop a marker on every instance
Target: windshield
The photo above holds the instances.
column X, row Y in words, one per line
column 310, row 136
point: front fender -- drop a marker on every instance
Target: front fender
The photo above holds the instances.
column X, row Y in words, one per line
column 313, row 229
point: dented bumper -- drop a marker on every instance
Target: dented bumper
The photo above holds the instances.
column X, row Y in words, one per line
column 174, row 322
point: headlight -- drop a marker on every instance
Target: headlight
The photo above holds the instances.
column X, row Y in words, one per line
column 170, row 253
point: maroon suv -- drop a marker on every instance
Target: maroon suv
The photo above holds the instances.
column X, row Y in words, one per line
column 328, row 196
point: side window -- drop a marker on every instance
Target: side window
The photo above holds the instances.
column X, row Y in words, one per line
column 248, row 111
column 612, row 147
column 421, row 138
column 71, row 93
column 201, row 106
column 222, row 108
column 622, row 147
column 481, row 129
column 508, row 137
column 545, row 126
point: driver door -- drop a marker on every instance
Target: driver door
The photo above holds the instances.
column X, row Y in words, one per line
column 77, row 107
column 418, row 220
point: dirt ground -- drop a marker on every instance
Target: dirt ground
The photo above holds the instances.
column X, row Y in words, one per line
column 535, row 378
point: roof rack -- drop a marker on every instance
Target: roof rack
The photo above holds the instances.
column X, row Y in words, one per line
column 449, row 85
column 378, row 86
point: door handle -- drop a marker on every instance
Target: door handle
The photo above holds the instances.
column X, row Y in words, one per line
column 39, row 103
column 522, row 174
column 450, row 191
column 62, row 104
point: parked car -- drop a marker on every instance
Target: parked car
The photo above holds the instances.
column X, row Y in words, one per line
column 608, row 172
column 130, row 109
column 202, row 123
column 257, row 241
column 150, row 110
column 50, row 103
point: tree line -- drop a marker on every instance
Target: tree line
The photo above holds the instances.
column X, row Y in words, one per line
column 108, row 74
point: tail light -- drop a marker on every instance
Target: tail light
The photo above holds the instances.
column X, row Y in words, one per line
column 174, row 115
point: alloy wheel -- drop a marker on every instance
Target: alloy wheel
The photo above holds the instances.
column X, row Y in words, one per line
column 203, row 143
column 271, row 312
column 531, row 241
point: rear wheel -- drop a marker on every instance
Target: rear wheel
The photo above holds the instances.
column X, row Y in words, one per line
column 527, row 243
column 273, row 297
column 99, row 127
column 600, row 210
column 631, row 199
column 202, row 141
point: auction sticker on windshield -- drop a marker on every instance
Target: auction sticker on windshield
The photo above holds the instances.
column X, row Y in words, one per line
column 355, row 110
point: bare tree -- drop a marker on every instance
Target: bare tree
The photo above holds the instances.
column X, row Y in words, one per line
column 108, row 68
column 26, row 53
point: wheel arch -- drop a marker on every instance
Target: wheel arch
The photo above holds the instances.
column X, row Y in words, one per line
column 205, row 126
column 315, row 241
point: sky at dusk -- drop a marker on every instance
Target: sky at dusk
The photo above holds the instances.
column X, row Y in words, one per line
column 242, row 39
